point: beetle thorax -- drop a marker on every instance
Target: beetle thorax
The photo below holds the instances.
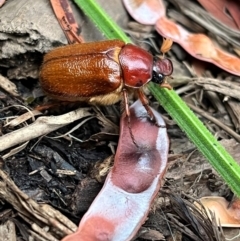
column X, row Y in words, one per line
column 136, row 65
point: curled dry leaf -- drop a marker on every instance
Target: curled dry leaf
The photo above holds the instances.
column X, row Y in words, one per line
column 227, row 11
column 198, row 45
column 65, row 17
column 123, row 204
column 228, row 214
column 2, row 2
column 145, row 12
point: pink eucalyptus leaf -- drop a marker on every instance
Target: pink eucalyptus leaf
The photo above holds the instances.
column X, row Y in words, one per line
column 124, row 202
column 226, row 11
column 2, row 2
column 145, row 12
column 233, row 7
column 198, row 45
column 227, row 214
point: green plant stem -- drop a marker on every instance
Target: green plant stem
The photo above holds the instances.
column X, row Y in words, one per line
column 105, row 24
column 215, row 153
column 219, row 158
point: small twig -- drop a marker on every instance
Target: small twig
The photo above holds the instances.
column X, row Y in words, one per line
column 224, row 87
column 42, row 126
column 31, row 209
column 8, row 86
column 215, row 121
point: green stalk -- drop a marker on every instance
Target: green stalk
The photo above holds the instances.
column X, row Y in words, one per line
column 215, row 153
column 103, row 22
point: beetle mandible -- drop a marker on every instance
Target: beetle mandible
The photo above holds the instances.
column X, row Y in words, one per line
column 102, row 72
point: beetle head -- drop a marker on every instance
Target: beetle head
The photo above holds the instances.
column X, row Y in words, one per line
column 161, row 69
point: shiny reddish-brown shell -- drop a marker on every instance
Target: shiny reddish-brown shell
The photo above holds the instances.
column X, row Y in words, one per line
column 82, row 70
column 137, row 66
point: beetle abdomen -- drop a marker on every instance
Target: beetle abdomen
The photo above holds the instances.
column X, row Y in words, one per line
column 70, row 75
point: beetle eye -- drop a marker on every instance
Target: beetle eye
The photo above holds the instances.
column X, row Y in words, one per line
column 157, row 77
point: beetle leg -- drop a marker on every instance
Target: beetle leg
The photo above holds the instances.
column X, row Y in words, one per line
column 145, row 103
column 125, row 97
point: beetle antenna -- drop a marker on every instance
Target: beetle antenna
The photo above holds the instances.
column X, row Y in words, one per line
column 166, row 45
